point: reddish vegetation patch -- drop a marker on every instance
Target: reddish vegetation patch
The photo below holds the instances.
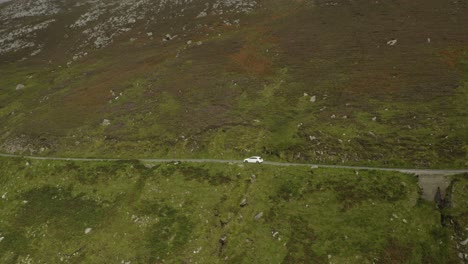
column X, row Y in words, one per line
column 395, row 253
column 451, row 57
column 251, row 61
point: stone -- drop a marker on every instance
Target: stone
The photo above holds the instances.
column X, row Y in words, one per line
column 223, row 239
column 1, row 239
column 392, row 42
column 243, row 202
column 374, row 118
column 20, row 87
column 87, row 230
column 258, row 216
column 253, row 178
column 106, row 122
column 313, row 99
column 464, row 242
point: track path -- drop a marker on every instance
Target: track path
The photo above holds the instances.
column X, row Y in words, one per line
column 410, row 171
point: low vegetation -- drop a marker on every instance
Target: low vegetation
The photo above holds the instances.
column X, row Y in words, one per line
column 131, row 212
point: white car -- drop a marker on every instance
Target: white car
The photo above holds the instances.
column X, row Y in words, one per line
column 254, row 159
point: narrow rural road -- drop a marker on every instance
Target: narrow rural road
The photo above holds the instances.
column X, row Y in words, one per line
column 410, row 171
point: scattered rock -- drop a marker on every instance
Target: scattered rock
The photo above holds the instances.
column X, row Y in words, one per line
column 464, row 242
column 333, row 116
column 197, row 251
column 1, row 239
column 312, row 138
column 243, row 202
column 19, row 87
column 189, row 42
column 258, row 216
column 87, row 230
column 27, row 163
column 392, row 42
column 374, row 118
column 223, row 239
column 202, row 14
column 167, row 37
column 149, row 34
column 105, row 122
column 313, row 99
column 253, row 178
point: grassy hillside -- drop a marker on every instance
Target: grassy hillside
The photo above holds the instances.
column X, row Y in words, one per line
column 291, row 80
column 129, row 212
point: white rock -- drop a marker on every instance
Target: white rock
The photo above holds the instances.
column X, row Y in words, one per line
column 105, row 122
column 189, row 42
column 313, row 99
column 20, row 86
column 87, row 230
column 404, row 221
column 392, row 42
column 202, row 14
column 374, row 118
column 1, row 239
column 464, row 242
column 149, row 34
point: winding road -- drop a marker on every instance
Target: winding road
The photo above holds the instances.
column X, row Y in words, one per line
column 410, row 171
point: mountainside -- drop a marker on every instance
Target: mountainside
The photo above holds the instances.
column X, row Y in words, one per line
column 355, row 82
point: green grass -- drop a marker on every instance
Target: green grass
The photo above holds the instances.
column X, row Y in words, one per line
column 177, row 212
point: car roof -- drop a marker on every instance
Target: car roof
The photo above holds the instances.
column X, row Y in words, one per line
column 255, row 157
